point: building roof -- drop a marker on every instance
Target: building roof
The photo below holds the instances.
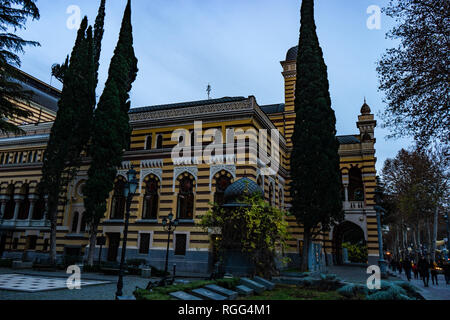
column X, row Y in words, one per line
column 292, row 54
column 273, row 108
column 242, row 187
column 348, row 140
column 43, row 94
column 187, row 104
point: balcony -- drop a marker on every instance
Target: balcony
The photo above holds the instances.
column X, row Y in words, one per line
column 24, row 224
column 353, row 205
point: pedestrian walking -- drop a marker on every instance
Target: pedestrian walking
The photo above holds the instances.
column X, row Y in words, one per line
column 424, row 269
column 415, row 271
column 447, row 272
column 400, row 266
column 407, row 267
column 434, row 273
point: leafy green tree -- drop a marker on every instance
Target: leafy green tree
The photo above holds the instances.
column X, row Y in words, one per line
column 316, row 178
column 111, row 130
column 71, row 130
column 13, row 15
column 258, row 230
column 416, row 183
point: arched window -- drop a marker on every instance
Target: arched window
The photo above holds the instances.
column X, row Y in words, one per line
column 186, row 197
column 223, row 181
column 83, row 223
column 76, row 217
column 25, row 205
column 148, row 143
column 29, row 156
column 35, row 156
column 15, row 157
column 118, row 200
column 159, row 142
column 21, row 157
column 151, row 198
column 2, row 158
column 271, row 195
column 193, row 138
column 281, row 197
column 260, row 182
column 355, row 186
column 10, row 205
column 39, row 208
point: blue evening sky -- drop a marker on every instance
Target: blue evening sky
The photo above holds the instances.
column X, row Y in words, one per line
column 235, row 45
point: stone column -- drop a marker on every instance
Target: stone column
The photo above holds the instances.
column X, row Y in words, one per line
column 18, row 199
column 346, row 192
column 80, row 217
column 3, row 199
column 44, row 216
column 33, row 198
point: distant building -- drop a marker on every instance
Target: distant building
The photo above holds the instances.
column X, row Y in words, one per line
column 185, row 186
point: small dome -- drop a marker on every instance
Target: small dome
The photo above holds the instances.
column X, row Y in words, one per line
column 292, row 54
column 240, row 188
column 365, row 109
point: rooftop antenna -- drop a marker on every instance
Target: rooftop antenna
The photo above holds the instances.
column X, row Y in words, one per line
column 208, row 90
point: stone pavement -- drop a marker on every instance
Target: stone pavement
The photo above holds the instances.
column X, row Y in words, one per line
column 97, row 292
column 433, row 292
column 357, row 274
column 354, row 274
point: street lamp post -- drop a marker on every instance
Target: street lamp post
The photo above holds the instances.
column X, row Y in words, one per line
column 381, row 262
column 169, row 225
column 129, row 192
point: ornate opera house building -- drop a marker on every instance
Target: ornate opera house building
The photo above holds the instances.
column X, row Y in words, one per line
column 184, row 186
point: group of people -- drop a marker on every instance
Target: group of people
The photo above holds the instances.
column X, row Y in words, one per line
column 423, row 268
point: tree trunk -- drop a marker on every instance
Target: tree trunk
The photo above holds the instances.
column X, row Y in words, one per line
column 53, row 224
column 397, row 239
column 92, row 243
column 435, row 231
column 305, row 257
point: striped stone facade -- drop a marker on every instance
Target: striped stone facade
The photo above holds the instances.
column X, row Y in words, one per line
column 25, row 232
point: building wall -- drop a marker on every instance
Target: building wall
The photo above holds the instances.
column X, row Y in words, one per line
column 244, row 114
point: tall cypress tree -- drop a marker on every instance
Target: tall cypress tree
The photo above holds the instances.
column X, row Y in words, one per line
column 111, row 130
column 71, row 130
column 316, row 178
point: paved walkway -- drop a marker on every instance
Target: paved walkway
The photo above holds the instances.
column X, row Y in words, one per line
column 433, row 292
column 97, row 292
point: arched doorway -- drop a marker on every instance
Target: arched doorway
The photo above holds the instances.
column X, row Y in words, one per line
column 350, row 235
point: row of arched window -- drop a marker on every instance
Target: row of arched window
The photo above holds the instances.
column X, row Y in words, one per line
column 355, row 189
column 272, row 193
column 185, row 198
column 149, row 145
column 20, row 157
column 24, row 205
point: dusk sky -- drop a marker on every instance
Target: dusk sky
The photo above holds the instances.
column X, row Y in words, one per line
column 235, row 45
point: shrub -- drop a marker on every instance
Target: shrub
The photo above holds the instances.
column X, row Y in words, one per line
column 6, row 263
column 356, row 253
column 162, row 293
column 136, row 262
column 158, row 273
column 95, row 268
column 228, row 283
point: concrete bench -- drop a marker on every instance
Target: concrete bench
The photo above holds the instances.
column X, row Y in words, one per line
column 180, row 295
column 266, row 283
column 258, row 288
